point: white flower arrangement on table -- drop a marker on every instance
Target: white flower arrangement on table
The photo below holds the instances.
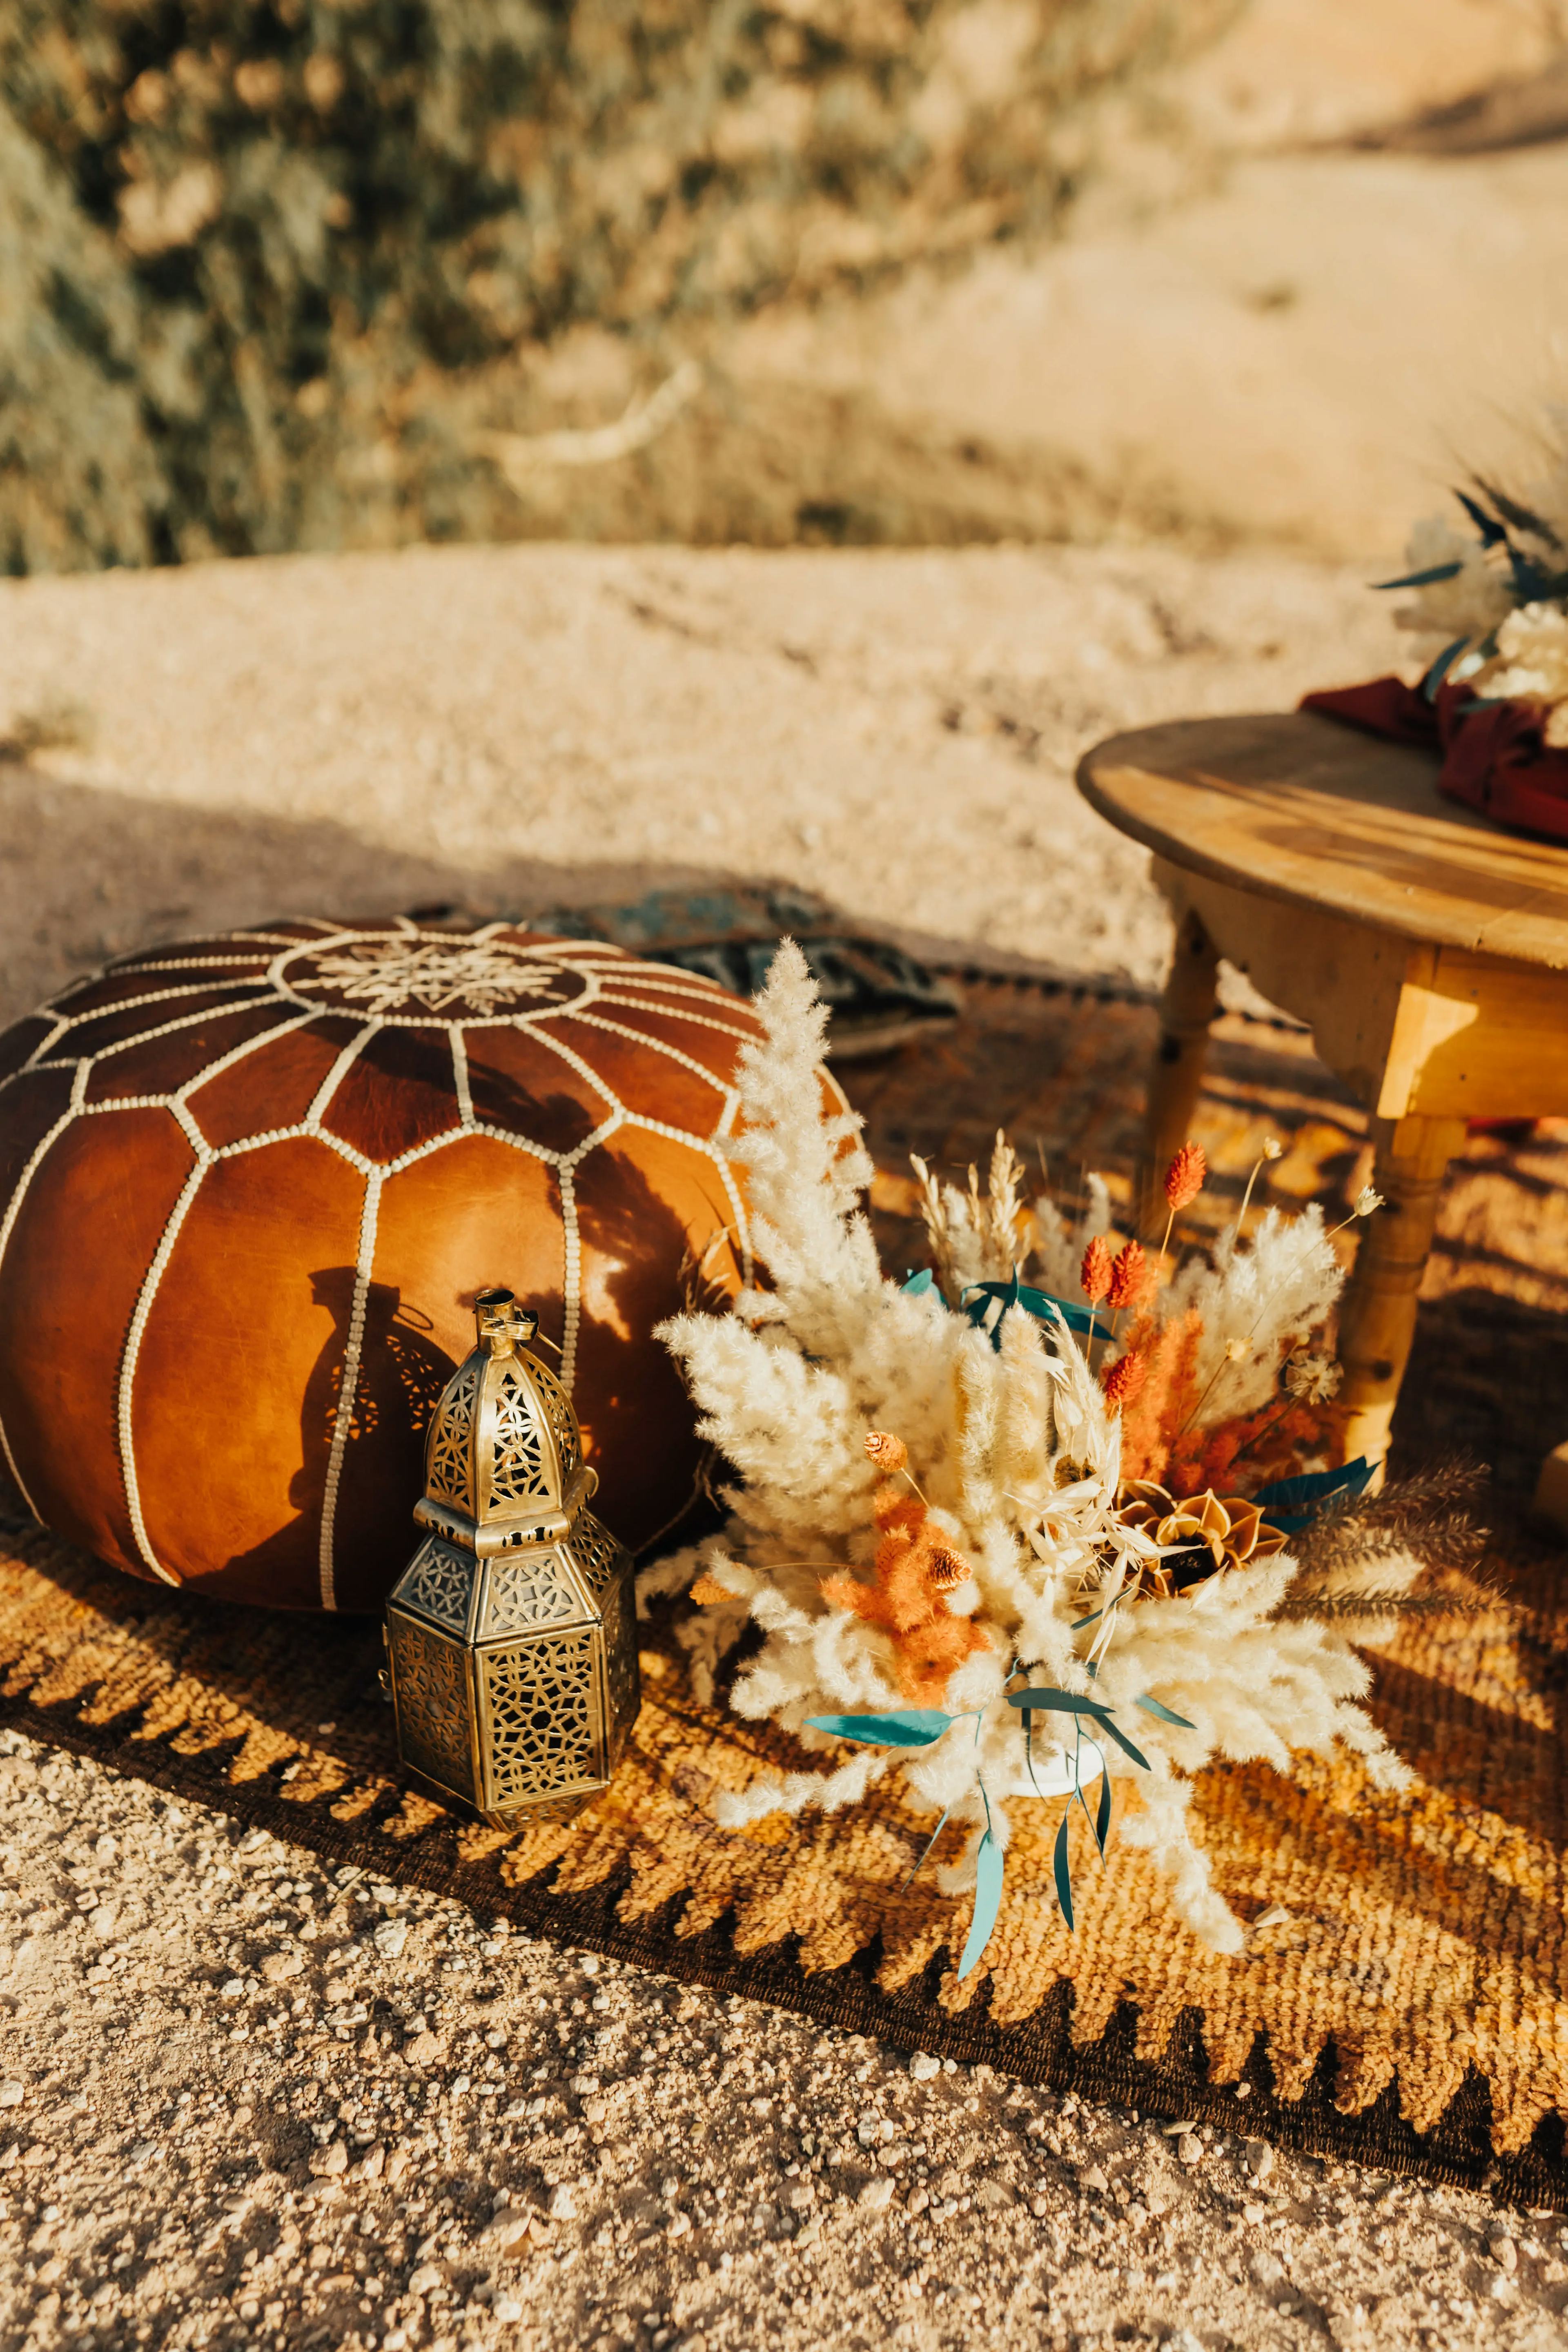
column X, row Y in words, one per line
column 982, row 1558
column 1493, row 598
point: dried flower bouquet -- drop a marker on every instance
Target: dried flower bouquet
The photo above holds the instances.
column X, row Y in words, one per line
column 1020, row 1543
column 1493, row 598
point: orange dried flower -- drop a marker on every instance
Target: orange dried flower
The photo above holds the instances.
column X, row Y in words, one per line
column 1125, row 1379
column 708, row 1590
column 915, row 1568
column 1095, row 1271
column 1127, row 1276
column 1269, row 1440
column 1151, row 1427
column 1184, row 1176
column 886, row 1454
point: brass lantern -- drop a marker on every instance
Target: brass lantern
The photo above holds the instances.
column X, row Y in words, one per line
column 511, row 1635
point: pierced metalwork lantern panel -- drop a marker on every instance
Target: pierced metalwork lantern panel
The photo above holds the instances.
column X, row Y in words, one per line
column 511, row 1635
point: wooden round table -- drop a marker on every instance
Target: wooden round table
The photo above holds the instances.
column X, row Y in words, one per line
column 1426, row 950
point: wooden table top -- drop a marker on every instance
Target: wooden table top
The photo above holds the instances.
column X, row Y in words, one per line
column 1298, row 807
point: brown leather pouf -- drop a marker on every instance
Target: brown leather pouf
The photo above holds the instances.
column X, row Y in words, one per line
column 251, row 1185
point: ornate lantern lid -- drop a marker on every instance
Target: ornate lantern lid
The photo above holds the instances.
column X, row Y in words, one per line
column 503, row 1459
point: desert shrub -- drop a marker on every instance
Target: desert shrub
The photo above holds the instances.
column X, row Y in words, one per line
column 256, row 255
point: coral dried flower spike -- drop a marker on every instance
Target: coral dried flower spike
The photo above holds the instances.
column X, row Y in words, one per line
column 1185, row 1176
column 1127, row 1276
column 1125, row 1380
column 1095, row 1271
column 1184, row 1182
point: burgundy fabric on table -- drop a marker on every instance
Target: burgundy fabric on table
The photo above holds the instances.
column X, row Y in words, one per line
column 1493, row 756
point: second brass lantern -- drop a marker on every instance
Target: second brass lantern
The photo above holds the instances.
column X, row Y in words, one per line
column 511, row 1635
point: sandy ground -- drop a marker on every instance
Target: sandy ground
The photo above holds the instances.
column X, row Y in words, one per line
column 532, row 726
column 1311, row 348
column 191, row 2019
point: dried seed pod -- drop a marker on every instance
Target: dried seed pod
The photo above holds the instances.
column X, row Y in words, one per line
column 946, row 1570
column 888, row 1453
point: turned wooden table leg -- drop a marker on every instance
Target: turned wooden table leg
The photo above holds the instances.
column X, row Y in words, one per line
column 1377, row 1316
column 1187, row 1007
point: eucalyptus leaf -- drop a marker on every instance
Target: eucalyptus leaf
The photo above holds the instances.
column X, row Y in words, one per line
column 1166, row 1715
column 1123, row 1742
column 1531, row 582
column 1422, row 579
column 1041, row 1304
column 1058, row 1702
column 909, row 1726
column 1522, row 518
column 925, row 1851
column 1289, row 1503
column 988, row 1866
column 1029, row 1751
column 1492, row 533
column 1441, row 667
column 1103, row 1813
column 1061, row 1871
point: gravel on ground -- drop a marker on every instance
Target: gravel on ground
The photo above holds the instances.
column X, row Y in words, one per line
column 249, row 2100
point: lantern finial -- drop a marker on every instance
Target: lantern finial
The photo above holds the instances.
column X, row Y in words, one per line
column 502, row 1323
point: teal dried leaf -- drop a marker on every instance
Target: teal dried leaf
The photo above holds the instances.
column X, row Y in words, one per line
column 1103, row 1813
column 1166, row 1713
column 925, row 1851
column 1492, row 533
column 1061, row 1871
column 1123, row 1742
column 1531, row 582
column 988, row 1865
column 1040, row 1303
column 1441, row 667
column 919, row 1284
column 1029, row 1751
column 1292, row 1504
column 909, row 1726
column 1422, row 579
column 1514, row 512
column 1059, row 1702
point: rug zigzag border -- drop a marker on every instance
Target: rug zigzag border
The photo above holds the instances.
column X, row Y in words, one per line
column 1456, row 2152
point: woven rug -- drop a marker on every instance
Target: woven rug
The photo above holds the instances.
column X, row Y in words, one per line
column 1403, row 1997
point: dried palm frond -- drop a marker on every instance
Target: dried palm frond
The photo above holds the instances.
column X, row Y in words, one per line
column 1364, row 1561
column 1429, row 1515
column 1342, row 1608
